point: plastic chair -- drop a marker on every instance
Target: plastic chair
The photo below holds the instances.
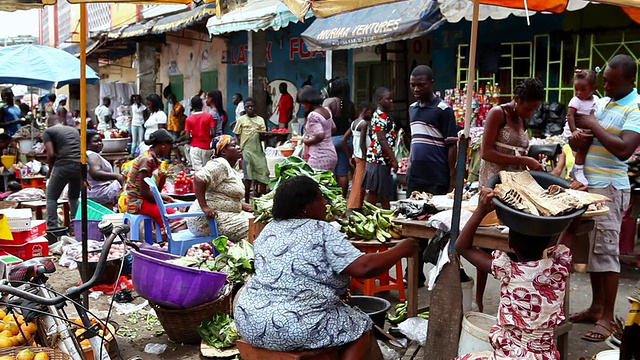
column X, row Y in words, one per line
column 181, row 241
column 134, row 234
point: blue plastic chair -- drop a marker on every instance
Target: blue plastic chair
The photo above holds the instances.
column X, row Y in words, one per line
column 181, row 241
column 134, row 234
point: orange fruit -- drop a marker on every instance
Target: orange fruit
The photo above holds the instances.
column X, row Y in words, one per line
column 1, row 326
column 13, row 327
column 41, row 356
column 5, row 342
column 14, row 340
column 2, row 313
column 6, row 333
column 25, row 354
column 29, row 327
column 6, row 357
column 21, row 339
column 9, row 318
column 85, row 342
column 20, row 319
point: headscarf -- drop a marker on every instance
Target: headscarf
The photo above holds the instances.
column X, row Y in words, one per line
column 219, row 143
column 58, row 100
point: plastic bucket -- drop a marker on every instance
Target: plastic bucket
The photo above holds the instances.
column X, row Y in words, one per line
column 109, row 275
column 54, row 234
column 93, row 232
column 475, row 333
column 375, row 307
column 115, row 219
column 8, row 161
column 467, row 294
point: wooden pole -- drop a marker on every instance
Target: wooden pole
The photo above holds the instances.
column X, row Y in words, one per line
column 83, row 143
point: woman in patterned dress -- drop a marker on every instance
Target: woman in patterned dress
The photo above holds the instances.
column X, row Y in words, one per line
column 219, row 191
column 303, row 268
column 531, row 290
column 320, row 151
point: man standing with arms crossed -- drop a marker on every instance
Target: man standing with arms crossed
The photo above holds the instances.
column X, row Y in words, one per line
column 432, row 160
column 615, row 128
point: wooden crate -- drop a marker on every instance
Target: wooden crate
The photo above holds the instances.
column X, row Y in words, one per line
column 255, row 227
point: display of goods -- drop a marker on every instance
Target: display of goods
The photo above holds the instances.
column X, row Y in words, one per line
column 183, row 183
column 220, row 332
column 521, row 191
column 280, row 131
column 294, row 166
column 15, row 330
column 373, row 223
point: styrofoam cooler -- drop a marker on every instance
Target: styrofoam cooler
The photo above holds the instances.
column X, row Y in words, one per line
column 19, row 219
column 475, row 333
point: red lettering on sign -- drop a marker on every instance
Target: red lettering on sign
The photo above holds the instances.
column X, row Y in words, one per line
column 269, row 59
column 294, row 47
column 304, row 53
column 316, row 53
column 242, row 56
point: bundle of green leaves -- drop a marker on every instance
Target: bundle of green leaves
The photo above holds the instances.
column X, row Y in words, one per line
column 219, row 332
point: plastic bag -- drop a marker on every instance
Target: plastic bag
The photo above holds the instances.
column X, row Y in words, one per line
column 155, row 349
column 400, row 151
column 387, row 352
column 415, row 329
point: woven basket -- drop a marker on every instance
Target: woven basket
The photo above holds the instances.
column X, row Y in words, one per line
column 53, row 353
column 180, row 325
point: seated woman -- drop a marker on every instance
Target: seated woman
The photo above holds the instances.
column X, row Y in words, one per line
column 303, row 265
column 219, row 191
column 139, row 199
column 103, row 184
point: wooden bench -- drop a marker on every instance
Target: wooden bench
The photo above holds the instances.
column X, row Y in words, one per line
column 40, row 206
column 249, row 352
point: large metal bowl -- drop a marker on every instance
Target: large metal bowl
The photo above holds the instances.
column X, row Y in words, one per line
column 114, row 145
column 531, row 224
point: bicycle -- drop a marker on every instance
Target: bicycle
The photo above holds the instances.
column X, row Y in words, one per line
column 39, row 300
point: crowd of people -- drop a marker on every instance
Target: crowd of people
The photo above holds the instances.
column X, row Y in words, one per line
column 230, row 165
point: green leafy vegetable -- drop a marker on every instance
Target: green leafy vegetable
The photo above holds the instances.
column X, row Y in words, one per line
column 295, row 166
column 220, row 332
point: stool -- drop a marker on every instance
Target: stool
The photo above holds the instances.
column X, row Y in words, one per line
column 250, row 352
column 134, row 220
column 39, row 206
column 386, row 282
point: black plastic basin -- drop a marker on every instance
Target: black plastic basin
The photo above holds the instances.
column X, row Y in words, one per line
column 375, row 307
column 534, row 225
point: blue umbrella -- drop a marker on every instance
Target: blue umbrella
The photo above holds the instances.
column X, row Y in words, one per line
column 41, row 66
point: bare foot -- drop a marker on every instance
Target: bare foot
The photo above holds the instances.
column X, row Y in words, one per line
column 587, row 316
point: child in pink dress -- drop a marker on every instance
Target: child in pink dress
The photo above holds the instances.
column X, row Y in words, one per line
column 531, row 290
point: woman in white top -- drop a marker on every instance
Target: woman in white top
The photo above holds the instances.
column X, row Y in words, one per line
column 157, row 119
column 137, row 122
column 361, row 140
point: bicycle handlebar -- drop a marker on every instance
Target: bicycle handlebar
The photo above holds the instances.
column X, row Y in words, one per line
column 74, row 290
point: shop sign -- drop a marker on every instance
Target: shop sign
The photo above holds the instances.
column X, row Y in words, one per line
column 297, row 50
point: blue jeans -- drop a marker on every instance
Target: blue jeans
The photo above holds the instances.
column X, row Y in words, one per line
column 137, row 134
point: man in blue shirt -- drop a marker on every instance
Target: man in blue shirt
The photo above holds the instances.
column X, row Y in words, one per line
column 10, row 119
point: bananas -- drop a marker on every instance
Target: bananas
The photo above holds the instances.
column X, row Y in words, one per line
column 377, row 224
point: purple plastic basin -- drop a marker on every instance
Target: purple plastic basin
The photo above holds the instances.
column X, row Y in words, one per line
column 93, row 232
column 171, row 285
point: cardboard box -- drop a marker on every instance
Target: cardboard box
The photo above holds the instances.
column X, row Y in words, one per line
column 38, row 229
column 35, row 248
column 6, row 262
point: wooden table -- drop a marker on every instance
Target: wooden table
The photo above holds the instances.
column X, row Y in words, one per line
column 492, row 238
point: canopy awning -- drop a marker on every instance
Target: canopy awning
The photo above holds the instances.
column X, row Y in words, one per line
column 374, row 25
column 183, row 19
column 255, row 15
column 456, row 10
column 326, row 8
column 13, row 5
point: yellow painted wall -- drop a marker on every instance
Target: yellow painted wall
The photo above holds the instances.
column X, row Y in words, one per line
column 119, row 70
column 122, row 13
column 193, row 57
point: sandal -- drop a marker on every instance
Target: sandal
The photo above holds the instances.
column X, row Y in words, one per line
column 585, row 317
column 594, row 336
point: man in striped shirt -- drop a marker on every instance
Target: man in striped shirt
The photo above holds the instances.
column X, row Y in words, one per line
column 615, row 128
column 432, row 160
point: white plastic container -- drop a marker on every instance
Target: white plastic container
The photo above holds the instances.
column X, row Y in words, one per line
column 608, row 355
column 25, row 145
column 467, row 295
column 115, row 219
column 475, row 332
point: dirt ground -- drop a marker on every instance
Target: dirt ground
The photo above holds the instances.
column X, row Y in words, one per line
column 134, row 346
